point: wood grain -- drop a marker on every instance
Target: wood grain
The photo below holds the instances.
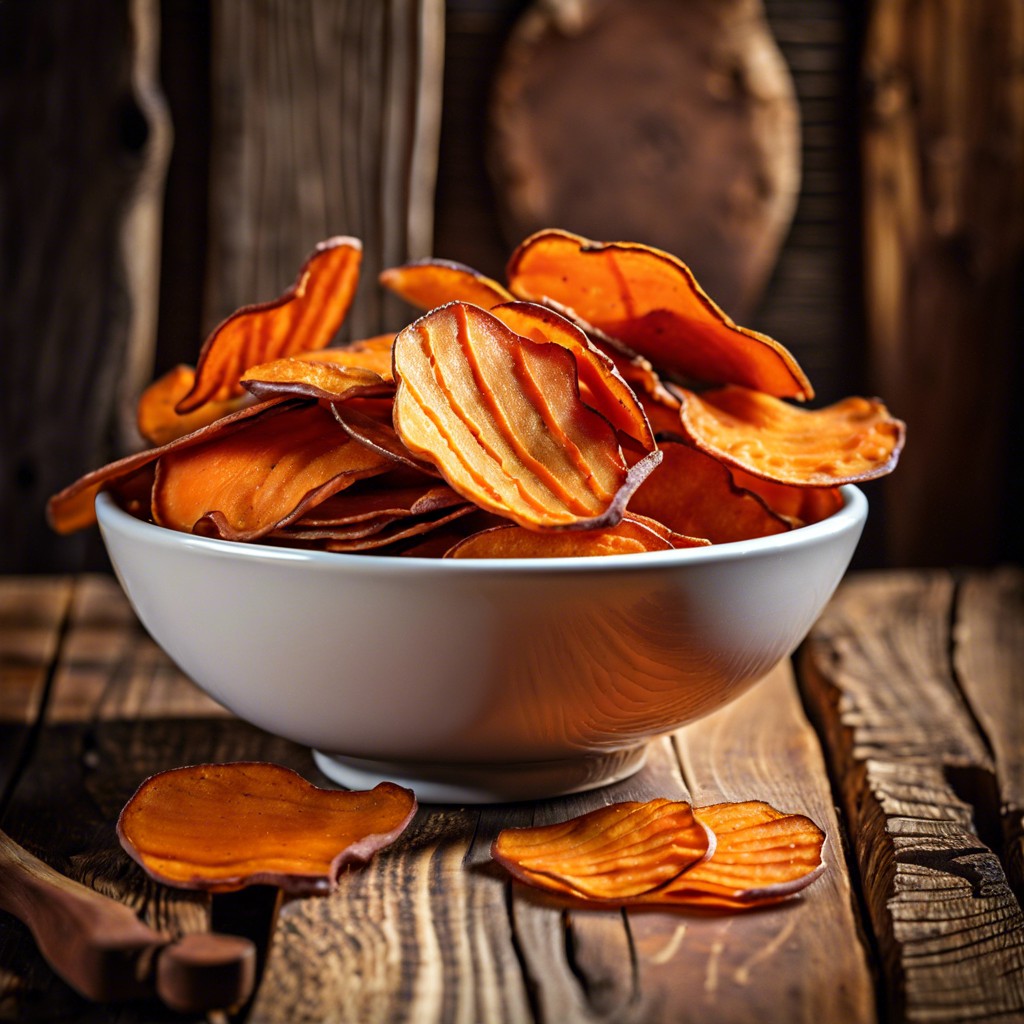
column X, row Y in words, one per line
column 120, row 712
column 32, row 612
column 910, row 678
column 325, row 118
column 80, row 196
column 988, row 659
column 943, row 158
column 913, row 772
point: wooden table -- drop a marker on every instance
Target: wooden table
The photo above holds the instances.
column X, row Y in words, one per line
column 902, row 738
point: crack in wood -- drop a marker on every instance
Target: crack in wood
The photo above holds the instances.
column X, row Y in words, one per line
column 944, row 919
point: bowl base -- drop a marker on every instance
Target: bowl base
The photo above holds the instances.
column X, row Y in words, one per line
column 485, row 783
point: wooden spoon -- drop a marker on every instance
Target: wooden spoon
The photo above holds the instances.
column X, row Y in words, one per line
column 104, row 952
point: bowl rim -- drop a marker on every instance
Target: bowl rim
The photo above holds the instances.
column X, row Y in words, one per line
column 851, row 516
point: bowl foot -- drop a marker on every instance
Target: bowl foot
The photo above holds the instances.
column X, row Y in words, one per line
column 485, row 783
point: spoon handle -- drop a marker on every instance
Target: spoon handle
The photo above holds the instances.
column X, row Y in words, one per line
column 104, row 952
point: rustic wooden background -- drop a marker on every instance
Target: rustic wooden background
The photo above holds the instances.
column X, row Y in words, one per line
column 164, row 162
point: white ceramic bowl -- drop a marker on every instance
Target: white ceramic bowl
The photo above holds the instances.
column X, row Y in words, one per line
column 477, row 680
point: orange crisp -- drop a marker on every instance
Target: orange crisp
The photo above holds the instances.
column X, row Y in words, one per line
column 220, row 827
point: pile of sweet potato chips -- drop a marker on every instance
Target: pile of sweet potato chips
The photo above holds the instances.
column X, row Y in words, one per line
column 729, row 856
column 600, row 403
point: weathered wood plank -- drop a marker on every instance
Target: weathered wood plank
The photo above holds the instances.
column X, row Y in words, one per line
column 801, row 961
column 32, row 613
column 420, row 935
column 596, row 965
column 325, row 121
column 988, row 657
column 905, row 751
column 117, row 711
column 80, row 191
column 943, row 165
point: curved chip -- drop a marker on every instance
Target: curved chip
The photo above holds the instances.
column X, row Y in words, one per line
column 628, row 537
column 761, row 856
column 798, row 505
column 617, row 852
column 427, row 284
column 313, row 378
column 367, row 354
column 304, row 318
column 261, row 477
column 74, row 507
column 502, row 419
column 156, row 417
column 854, row 439
column 220, row 827
column 602, row 387
column 385, row 535
column 650, row 300
column 357, row 503
column 694, row 494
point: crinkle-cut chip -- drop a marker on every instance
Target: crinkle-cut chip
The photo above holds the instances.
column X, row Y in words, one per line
column 799, row 505
column 601, row 385
column 694, row 494
column 155, row 415
column 303, row 319
column 427, row 284
column 501, row 418
column 74, row 507
column 221, row 827
column 854, row 439
column 761, row 855
column 243, row 485
column 627, row 537
column 617, row 852
column 313, row 378
column 651, row 301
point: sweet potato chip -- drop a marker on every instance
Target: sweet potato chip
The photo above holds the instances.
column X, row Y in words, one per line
column 693, row 493
column 601, row 385
column 313, row 378
column 156, row 417
column 74, row 507
column 635, row 854
column 220, row 827
column 501, row 418
column 627, row 537
column 853, row 440
column 427, row 284
column 649, row 300
column 367, row 354
column 798, row 505
column 355, row 504
column 303, row 319
column 245, row 484
column 369, row 422
column 761, row 856
column 387, row 535
column 614, row 853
